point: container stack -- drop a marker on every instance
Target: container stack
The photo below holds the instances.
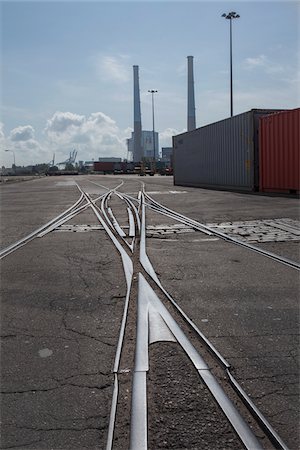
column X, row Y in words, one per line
column 256, row 150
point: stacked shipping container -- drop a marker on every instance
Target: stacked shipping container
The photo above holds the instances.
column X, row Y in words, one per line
column 225, row 154
column 279, row 147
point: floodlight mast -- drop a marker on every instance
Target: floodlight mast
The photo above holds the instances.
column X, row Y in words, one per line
column 152, row 92
column 231, row 15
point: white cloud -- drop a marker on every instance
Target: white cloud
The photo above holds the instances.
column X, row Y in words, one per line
column 217, row 102
column 113, row 68
column 60, row 122
column 2, row 131
column 165, row 137
column 93, row 136
column 22, row 133
column 259, row 61
column 263, row 62
column 101, row 121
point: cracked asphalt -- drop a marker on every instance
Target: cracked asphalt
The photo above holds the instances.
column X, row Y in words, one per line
column 62, row 300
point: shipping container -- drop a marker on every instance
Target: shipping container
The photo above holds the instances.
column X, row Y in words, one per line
column 110, row 167
column 279, row 143
column 221, row 155
column 104, row 166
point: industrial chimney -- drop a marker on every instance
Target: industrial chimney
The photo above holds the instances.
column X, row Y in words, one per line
column 137, row 126
column 191, row 114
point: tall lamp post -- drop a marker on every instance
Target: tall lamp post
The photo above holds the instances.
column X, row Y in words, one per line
column 14, row 157
column 231, row 15
column 152, row 92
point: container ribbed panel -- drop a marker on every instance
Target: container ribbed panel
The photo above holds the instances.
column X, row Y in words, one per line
column 279, row 151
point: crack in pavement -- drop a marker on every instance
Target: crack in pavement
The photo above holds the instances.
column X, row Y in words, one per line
column 21, row 445
column 61, row 385
column 90, row 427
column 217, row 336
column 82, row 333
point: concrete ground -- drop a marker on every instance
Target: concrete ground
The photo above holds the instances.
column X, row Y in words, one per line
column 62, row 300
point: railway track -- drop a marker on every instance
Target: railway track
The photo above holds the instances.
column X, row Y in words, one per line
column 152, row 316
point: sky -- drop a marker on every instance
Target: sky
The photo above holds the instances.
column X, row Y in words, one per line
column 67, row 77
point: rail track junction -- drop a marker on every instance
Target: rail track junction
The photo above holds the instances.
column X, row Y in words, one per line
column 139, row 316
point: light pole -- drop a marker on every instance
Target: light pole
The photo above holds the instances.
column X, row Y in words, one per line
column 230, row 16
column 14, row 157
column 152, row 92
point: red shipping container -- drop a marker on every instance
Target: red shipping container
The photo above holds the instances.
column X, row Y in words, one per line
column 104, row 166
column 279, row 147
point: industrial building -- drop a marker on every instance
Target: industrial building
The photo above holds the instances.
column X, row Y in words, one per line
column 141, row 144
column 109, row 159
column 137, row 118
column 167, row 154
column 147, row 147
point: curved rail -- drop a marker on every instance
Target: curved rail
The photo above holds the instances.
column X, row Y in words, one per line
column 128, row 272
column 11, row 248
column 150, row 308
column 280, row 259
column 265, row 425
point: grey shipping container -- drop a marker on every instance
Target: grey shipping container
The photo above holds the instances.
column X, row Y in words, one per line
column 221, row 155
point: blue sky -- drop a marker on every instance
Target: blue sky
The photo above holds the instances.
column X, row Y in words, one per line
column 67, row 70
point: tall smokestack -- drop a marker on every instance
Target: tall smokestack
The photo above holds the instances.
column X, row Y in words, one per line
column 191, row 114
column 137, row 127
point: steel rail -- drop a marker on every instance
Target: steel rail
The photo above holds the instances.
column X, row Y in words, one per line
column 128, row 271
column 114, row 225
column 130, row 208
column 20, row 243
column 193, row 222
column 148, row 300
column 137, row 218
column 174, row 215
column 182, row 219
column 277, row 441
column 207, row 377
column 144, row 259
column 131, row 232
column 103, row 206
column 265, row 425
column 63, row 220
column 112, row 416
column 280, row 259
column 109, row 189
column 68, row 217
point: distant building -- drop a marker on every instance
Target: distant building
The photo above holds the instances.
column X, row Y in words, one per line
column 110, row 159
column 147, row 144
column 89, row 165
column 167, row 153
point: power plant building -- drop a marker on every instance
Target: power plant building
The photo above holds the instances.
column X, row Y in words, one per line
column 191, row 110
column 137, row 121
column 147, row 148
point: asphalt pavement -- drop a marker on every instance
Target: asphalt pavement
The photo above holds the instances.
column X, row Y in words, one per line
column 62, row 299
